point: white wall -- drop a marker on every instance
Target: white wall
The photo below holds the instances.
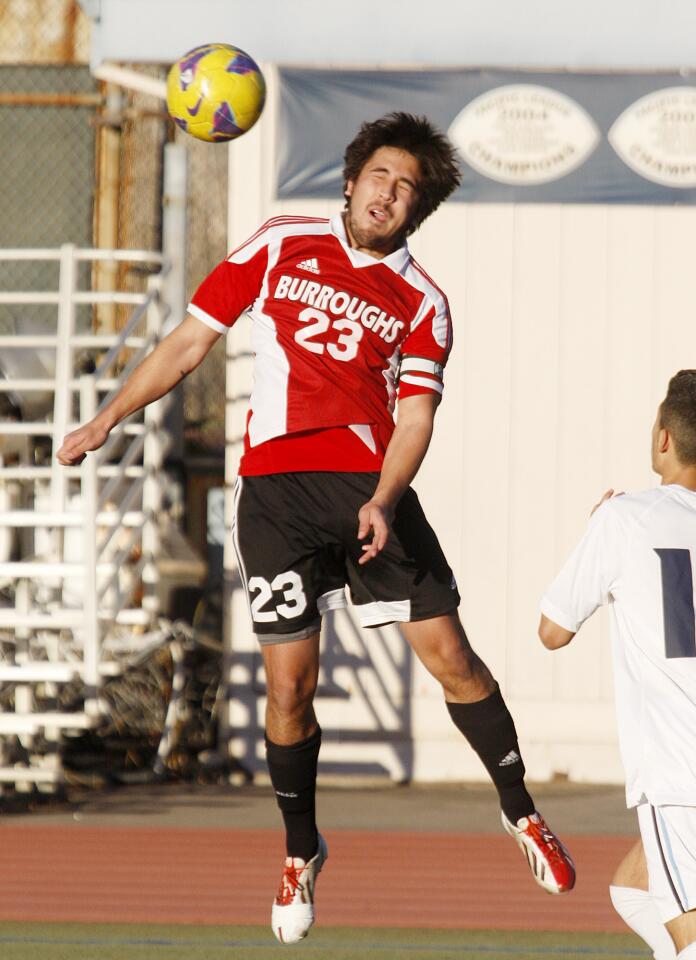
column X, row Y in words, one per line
column 569, row 320
column 539, row 33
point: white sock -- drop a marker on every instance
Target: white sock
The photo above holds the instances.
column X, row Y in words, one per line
column 688, row 953
column 637, row 909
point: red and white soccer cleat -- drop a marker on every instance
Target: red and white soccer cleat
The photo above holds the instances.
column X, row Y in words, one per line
column 548, row 859
column 293, row 907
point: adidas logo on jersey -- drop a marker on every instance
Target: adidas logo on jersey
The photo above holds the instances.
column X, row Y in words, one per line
column 509, row 759
column 311, row 265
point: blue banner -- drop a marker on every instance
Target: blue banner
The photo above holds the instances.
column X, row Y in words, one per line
column 523, row 136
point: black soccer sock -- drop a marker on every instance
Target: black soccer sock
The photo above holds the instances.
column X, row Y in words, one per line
column 490, row 729
column 293, row 771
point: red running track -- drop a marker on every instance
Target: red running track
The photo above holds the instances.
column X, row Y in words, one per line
column 432, row 880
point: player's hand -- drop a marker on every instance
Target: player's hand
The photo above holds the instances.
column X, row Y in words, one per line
column 77, row 444
column 373, row 517
column 608, row 494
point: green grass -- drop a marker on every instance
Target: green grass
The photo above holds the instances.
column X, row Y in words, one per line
column 73, row 941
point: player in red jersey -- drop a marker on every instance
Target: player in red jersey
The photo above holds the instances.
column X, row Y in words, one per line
column 344, row 324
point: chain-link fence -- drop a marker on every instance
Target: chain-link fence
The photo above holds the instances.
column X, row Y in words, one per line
column 43, row 31
column 143, row 136
column 81, row 162
column 134, row 130
column 48, row 105
column 204, row 397
column 47, row 172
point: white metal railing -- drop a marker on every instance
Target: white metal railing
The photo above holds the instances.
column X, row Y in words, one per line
column 92, row 563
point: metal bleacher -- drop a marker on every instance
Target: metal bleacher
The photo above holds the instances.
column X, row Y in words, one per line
column 78, row 545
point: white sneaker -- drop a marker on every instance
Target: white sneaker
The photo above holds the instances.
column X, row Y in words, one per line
column 293, row 907
column 549, row 861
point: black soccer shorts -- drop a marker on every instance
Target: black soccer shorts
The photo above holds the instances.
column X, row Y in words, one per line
column 295, row 535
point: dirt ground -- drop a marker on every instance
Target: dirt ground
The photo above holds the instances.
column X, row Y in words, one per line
column 448, row 808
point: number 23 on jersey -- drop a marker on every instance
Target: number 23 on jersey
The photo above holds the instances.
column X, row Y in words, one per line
column 349, row 334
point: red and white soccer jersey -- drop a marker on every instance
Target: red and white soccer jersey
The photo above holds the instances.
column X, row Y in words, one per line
column 334, row 331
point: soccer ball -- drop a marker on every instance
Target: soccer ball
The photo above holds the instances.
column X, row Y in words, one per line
column 215, row 92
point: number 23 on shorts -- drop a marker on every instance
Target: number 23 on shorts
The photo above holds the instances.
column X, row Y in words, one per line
column 294, row 601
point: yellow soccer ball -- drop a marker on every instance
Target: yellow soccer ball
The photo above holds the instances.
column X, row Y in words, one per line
column 215, row 92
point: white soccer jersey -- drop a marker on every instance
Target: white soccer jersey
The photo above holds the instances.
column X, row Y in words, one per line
column 333, row 328
column 638, row 555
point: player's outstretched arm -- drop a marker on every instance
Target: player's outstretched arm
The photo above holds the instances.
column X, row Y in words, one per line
column 175, row 357
column 407, row 447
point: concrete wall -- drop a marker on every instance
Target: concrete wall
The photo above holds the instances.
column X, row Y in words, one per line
column 569, row 320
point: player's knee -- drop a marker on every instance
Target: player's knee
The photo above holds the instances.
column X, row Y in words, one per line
column 290, row 694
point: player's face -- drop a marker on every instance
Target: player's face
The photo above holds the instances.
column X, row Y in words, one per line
column 382, row 201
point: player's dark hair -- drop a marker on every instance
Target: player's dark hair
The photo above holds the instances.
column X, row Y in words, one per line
column 678, row 415
column 439, row 169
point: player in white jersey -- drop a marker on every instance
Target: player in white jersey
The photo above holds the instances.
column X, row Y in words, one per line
column 344, row 325
column 638, row 555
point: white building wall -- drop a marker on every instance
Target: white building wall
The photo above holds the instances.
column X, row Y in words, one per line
column 541, row 33
column 569, row 321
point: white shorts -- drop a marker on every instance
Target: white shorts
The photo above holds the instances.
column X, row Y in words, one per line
column 669, row 841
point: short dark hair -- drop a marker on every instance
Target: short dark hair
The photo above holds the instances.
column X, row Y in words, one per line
column 678, row 415
column 440, row 173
